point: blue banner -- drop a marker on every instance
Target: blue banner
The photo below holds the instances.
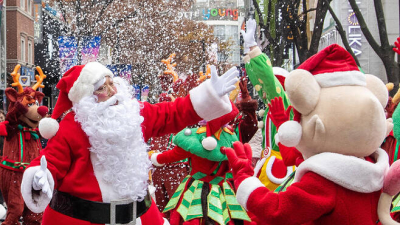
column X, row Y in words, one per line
column 67, row 49
column 90, row 49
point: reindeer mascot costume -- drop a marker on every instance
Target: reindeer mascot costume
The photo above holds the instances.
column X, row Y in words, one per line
column 21, row 145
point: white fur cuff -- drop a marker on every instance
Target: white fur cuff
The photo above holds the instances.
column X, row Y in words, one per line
column 206, row 102
column 246, row 188
column 154, row 159
column 37, row 203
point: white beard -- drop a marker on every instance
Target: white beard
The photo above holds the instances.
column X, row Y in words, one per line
column 118, row 151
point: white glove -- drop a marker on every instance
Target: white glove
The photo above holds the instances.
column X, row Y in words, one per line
column 225, row 83
column 248, row 36
column 40, row 181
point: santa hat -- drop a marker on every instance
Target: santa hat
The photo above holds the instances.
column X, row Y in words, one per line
column 332, row 66
column 209, row 143
column 280, row 74
column 78, row 82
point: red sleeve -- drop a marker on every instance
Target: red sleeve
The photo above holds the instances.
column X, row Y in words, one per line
column 58, row 156
column 302, row 202
column 173, row 155
column 289, row 154
column 167, row 117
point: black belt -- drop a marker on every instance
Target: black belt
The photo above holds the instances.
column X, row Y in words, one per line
column 98, row 212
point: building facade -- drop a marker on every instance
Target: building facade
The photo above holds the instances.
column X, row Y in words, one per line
column 20, row 37
column 226, row 16
column 369, row 60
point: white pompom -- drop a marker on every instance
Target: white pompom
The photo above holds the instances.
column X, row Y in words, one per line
column 261, row 113
column 48, row 127
column 2, row 212
column 260, row 124
column 209, row 143
column 290, row 133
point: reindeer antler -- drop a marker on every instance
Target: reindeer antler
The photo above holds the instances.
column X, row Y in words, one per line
column 207, row 75
column 15, row 75
column 170, row 67
column 39, row 79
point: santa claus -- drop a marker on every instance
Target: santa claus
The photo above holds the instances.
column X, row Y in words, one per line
column 95, row 169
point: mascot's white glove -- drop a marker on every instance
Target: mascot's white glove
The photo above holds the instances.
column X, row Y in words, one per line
column 225, row 83
column 40, row 181
column 248, row 36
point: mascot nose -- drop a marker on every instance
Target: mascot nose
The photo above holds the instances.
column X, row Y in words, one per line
column 43, row 110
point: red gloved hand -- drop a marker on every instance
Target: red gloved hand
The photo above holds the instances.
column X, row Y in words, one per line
column 240, row 161
column 277, row 112
column 397, row 46
column 3, row 129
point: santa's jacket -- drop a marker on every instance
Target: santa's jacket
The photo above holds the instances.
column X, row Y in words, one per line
column 68, row 156
column 329, row 189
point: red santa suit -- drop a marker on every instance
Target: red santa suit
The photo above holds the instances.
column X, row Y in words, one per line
column 329, row 189
column 71, row 166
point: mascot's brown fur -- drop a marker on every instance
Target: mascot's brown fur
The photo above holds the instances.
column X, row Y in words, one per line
column 21, row 145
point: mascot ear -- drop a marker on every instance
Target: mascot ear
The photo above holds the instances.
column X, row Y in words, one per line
column 11, row 94
column 303, row 90
column 39, row 96
column 378, row 88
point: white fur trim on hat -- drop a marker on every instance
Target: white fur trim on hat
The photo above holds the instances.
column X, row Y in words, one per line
column 290, row 133
column 48, row 127
column 245, row 189
column 209, row 143
column 349, row 78
column 91, row 73
column 37, row 203
column 153, row 159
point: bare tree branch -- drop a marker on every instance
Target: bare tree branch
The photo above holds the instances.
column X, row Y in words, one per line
column 380, row 17
column 105, row 5
column 364, row 28
column 342, row 33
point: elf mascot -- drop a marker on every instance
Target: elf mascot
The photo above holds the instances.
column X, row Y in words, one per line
column 272, row 169
column 205, row 196
column 21, row 145
column 345, row 178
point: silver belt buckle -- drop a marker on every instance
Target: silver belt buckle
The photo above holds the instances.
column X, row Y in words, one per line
column 113, row 205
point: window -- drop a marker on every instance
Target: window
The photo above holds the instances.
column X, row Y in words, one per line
column 30, row 52
column 22, row 49
column 22, row 4
column 29, row 8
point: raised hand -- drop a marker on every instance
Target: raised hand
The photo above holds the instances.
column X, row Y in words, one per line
column 240, row 161
column 248, row 36
column 277, row 112
column 225, row 83
column 40, row 181
column 397, row 46
column 243, row 89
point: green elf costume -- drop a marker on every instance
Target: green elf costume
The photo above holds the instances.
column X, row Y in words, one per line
column 205, row 196
column 267, row 81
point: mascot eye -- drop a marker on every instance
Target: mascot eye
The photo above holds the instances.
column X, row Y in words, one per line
column 37, row 103
column 30, row 104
